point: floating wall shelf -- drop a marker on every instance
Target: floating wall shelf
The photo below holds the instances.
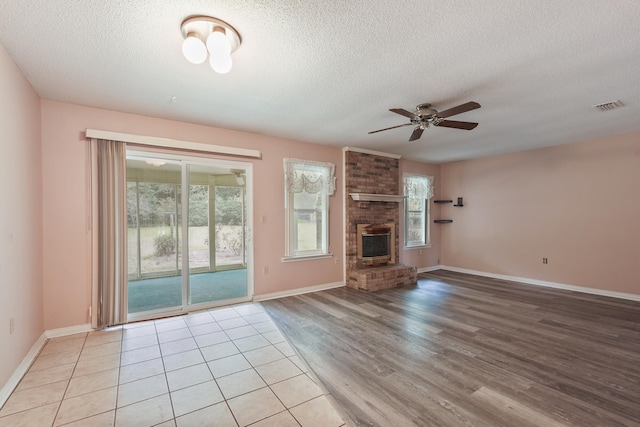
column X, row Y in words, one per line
column 443, row 201
column 443, row 221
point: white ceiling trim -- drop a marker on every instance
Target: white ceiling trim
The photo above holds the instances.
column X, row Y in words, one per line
column 372, row 152
column 172, row 143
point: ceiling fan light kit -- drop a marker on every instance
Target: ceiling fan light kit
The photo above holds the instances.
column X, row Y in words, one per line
column 426, row 116
column 207, row 36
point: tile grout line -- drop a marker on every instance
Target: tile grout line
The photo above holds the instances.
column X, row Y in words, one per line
column 164, row 371
column 209, row 368
column 267, row 384
column 285, row 357
column 245, row 316
column 115, row 410
column 53, row 421
column 314, row 377
column 75, row 366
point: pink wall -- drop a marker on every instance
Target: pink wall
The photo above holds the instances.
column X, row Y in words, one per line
column 66, row 259
column 421, row 257
column 577, row 205
column 20, row 217
column 574, row 204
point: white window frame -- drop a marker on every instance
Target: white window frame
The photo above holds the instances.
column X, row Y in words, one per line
column 294, row 178
column 426, row 206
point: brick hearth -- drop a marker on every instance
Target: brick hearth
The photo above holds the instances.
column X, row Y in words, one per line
column 371, row 174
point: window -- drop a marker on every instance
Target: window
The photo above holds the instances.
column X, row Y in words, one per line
column 308, row 186
column 418, row 190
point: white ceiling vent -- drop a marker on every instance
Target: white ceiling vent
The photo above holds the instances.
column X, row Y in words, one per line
column 611, row 105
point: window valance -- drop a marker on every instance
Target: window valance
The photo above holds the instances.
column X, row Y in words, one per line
column 309, row 176
column 418, row 187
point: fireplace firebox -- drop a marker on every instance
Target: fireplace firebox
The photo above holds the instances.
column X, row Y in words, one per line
column 376, row 244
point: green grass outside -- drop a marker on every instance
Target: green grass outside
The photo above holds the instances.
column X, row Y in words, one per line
column 198, row 249
column 198, row 246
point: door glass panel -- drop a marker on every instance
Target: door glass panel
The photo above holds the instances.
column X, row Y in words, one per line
column 217, row 270
column 229, row 226
column 199, row 227
column 133, row 254
column 159, row 229
column 154, row 233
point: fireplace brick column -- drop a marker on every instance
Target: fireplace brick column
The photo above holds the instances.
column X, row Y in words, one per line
column 368, row 173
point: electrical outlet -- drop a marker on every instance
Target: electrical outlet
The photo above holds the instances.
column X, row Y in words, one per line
column 12, row 326
column 545, row 261
column 263, row 219
column 265, row 269
column 336, row 261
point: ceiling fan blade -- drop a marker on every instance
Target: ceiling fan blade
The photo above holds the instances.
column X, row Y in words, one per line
column 403, row 112
column 417, row 133
column 392, row 127
column 457, row 125
column 458, row 110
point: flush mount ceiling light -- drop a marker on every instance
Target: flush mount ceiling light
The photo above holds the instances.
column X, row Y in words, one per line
column 206, row 36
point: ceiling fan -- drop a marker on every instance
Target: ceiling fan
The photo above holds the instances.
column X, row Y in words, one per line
column 425, row 116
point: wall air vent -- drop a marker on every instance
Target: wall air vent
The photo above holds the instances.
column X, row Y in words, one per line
column 611, row 105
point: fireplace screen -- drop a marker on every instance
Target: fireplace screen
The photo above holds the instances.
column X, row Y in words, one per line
column 375, row 244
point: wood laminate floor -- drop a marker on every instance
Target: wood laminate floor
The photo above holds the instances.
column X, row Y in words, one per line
column 462, row 350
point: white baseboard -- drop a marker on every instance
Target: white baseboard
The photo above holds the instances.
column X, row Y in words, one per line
column 22, row 369
column 427, row 269
column 61, row 332
column 30, row 357
column 556, row 285
column 298, row 291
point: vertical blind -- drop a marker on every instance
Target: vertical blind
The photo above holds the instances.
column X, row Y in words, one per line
column 112, row 233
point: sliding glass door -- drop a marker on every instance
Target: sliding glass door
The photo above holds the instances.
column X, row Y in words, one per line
column 187, row 241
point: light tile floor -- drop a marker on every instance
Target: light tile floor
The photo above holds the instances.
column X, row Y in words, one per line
column 223, row 367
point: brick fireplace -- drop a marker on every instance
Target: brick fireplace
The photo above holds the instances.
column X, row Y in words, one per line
column 373, row 175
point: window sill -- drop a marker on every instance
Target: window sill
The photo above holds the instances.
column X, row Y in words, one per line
column 407, row 248
column 306, row 257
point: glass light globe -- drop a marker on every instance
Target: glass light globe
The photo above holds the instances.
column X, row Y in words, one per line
column 194, row 50
column 218, row 43
column 221, row 63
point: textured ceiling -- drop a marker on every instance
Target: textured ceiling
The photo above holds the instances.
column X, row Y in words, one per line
column 328, row 71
